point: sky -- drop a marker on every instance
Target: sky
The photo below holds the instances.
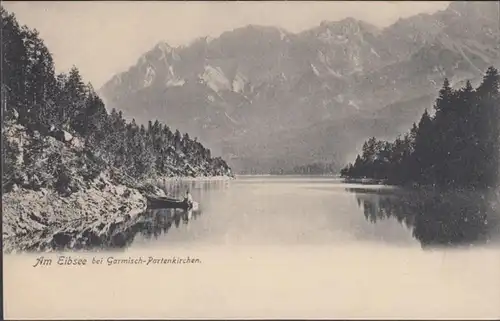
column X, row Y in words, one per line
column 103, row 38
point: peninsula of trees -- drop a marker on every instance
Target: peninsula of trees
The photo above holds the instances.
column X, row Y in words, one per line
column 455, row 147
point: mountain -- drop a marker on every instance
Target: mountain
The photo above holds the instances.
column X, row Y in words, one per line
column 266, row 98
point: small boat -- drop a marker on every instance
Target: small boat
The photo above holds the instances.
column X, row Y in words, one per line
column 167, row 202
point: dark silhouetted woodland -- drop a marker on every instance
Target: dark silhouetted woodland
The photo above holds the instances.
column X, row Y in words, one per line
column 455, row 147
column 64, row 106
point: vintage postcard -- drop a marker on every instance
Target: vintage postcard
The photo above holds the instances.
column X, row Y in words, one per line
column 250, row 159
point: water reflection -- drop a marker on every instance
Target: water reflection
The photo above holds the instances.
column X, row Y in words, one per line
column 155, row 222
column 150, row 224
column 436, row 219
column 100, row 235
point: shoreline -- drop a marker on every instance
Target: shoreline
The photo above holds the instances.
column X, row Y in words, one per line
column 288, row 175
column 43, row 220
column 188, row 178
column 185, row 179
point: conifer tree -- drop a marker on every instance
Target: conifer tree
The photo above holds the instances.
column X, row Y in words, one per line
column 14, row 57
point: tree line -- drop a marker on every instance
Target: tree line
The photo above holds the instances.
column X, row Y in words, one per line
column 34, row 96
column 308, row 169
column 456, row 147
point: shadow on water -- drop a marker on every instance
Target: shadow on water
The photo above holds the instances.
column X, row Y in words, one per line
column 99, row 235
column 449, row 218
column 155, row 222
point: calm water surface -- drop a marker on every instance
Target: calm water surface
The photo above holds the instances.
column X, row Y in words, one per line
column 285, row 247
column 287, row 211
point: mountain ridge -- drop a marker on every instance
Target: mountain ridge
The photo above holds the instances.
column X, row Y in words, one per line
column 252, row 83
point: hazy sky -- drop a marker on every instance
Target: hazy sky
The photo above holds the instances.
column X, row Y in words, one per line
column 103, row 38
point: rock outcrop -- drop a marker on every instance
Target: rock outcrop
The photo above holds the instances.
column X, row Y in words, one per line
column 58, row 195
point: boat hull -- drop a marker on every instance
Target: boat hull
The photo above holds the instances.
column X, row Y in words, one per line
column 163, row 202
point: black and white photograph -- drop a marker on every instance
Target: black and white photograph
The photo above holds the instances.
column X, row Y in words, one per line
column 250, row 159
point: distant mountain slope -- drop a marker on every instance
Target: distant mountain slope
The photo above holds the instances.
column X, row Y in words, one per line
column 263, row 97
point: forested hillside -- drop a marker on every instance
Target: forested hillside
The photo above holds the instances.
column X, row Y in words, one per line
column 64, row 107
column 72, row 173
column 455, row 146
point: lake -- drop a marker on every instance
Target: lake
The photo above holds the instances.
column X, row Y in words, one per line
column 289, row 211
column 287, row 247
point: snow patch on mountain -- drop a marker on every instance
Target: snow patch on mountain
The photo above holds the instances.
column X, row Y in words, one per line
column 283, row 35
column 315, row 70
column 231, row 119
column 215, row 79
column 282, row 77
column 356, row 61
column 333, row 72
column 175, row 82
column 239, row 83
column 374, row 52
column 149, row 77
column 353, row 104
column 116, row 80
column 165, row 48
column 332, row 38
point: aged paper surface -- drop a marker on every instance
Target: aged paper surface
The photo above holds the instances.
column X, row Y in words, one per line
column 250, row 160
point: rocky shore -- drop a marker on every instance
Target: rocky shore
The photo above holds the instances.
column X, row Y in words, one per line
column 45, row 209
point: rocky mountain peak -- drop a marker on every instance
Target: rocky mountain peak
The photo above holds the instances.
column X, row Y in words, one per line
column 164, row 48
column 243, row 86
column 348, row 26
column 254, row 32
